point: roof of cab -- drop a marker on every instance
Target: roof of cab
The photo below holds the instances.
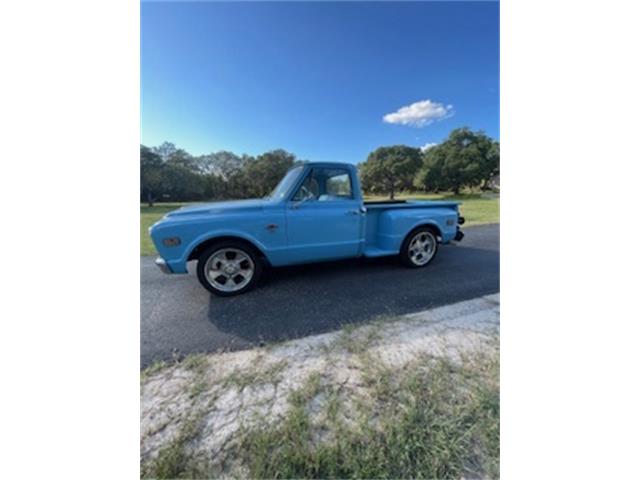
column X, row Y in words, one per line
column 329, row 164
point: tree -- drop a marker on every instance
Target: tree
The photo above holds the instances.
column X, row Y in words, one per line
column 227, row 164
column 264, row 173
column 226, row 175
column 182, row 158
column 150, row 174
column 389, row 169
column 165, row 150
column 179, row 183
column 171, row 173
column 491, row 165
column 465, row 158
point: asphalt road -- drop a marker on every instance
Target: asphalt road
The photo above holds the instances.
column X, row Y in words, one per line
column 178, row 316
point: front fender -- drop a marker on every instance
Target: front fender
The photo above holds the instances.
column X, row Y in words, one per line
column 191, row 236
column 192, row 229
column 224, row 233
column 179, row 265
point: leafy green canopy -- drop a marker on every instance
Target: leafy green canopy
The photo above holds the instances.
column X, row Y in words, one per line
column 464, row 159
column 389, row 169
column 171, row 174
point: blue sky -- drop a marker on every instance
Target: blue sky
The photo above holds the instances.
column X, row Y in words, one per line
column 326, row 81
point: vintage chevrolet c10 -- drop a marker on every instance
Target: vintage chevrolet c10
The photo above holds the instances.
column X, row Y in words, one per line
column 316, row 213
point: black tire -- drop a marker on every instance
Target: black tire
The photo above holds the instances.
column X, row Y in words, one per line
column 245, row 248
column 405, row 256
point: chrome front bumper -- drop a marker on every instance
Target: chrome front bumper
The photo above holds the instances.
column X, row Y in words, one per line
column 162, row 265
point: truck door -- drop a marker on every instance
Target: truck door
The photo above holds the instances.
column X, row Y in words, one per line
column 325, row 219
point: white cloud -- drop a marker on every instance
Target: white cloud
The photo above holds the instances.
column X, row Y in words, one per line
column 419, row 114
column 427, row 146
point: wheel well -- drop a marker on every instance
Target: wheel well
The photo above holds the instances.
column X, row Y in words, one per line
column 429, row 226
column 195, row 253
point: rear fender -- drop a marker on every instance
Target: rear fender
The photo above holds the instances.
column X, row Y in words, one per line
column 395, row 225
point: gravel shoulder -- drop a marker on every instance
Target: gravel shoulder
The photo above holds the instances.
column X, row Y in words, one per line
column 196, row 415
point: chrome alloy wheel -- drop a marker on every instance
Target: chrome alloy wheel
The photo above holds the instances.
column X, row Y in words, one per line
column 229, row 269
column 422, row 247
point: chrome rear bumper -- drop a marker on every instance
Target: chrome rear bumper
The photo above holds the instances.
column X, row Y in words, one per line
column 162, row 265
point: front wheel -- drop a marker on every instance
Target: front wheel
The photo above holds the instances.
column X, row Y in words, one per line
column 229, row 268
column 419, row 248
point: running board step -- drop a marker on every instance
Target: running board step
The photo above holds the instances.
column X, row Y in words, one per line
column 377, row 252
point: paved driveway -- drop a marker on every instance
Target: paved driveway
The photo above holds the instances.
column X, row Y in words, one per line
column 179, row 317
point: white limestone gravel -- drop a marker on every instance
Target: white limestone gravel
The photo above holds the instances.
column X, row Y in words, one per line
column 224, row 392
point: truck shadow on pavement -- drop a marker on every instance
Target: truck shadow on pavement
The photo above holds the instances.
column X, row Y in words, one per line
column 292, row 302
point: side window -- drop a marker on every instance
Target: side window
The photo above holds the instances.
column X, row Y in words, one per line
column 339, row 186
column 325, row 185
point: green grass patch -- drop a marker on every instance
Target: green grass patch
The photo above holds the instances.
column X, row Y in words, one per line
column 477, row 208
column 195, row 362
column 256, row 375
column 435, row 419
column 174, row 461
column 152, row 369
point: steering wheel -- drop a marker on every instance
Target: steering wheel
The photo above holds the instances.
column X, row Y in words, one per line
column 306, row 193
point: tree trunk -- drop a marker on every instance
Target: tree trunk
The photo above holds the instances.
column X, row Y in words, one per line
column 456, row 190
column 391, row 194
column 149, row 199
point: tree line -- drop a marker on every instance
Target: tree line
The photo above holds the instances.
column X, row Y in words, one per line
column 168, row 173
column 464, row 159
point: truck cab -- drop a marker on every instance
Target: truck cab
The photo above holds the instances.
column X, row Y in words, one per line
column 325, row 214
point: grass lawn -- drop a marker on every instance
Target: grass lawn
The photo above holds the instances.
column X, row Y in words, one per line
column 477, row 208
column 149, row 216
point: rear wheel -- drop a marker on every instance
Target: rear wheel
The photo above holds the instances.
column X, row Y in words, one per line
column 229, row 268
column 419, row 248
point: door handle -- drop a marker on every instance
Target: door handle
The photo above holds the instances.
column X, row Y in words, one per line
column 360, row 211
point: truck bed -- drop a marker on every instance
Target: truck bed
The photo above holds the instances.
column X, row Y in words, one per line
column 389, row 221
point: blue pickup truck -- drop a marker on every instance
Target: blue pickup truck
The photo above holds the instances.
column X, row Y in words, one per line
column 316, row 213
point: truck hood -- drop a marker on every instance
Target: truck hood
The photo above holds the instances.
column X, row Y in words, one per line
column 233, row 206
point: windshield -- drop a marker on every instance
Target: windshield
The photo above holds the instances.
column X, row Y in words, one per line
column 286, row 183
